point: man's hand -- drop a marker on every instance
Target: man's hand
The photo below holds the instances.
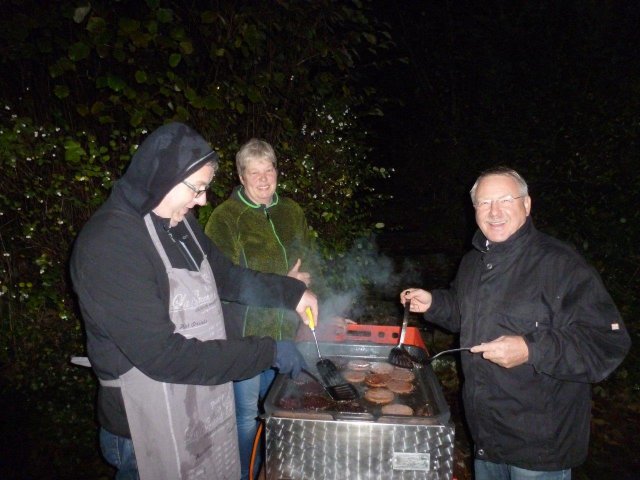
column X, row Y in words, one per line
column 508, row 351
column 298, row 275
column 288, row 359
column 309, row 300
column 420, row 299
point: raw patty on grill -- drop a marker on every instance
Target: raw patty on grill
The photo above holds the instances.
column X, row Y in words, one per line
column 403, row 374
column 383, row 368
column 359, row 365
column 379, row 396
column 397, row 409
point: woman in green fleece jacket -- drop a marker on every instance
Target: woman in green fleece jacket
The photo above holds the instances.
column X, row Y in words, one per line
column 258, row 229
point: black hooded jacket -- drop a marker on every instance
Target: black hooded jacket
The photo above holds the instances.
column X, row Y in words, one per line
column 123, row 288
column 537, row 415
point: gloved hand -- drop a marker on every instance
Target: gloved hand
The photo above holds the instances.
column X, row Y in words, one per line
column 288, row 358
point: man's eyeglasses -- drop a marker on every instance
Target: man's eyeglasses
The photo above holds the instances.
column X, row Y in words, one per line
column 503, row 202
column 194, row 189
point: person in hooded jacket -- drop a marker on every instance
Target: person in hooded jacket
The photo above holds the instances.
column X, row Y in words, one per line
column 149, row 284
column 542, row 328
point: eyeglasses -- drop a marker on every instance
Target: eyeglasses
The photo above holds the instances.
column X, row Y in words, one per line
column 194, row 189
column 503, row 202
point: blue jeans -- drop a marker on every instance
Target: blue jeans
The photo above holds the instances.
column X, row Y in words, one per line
column 249, row 395
column 118, row 452
column 500, row 471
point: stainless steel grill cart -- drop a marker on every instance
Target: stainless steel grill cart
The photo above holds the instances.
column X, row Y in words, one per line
column 347, row 441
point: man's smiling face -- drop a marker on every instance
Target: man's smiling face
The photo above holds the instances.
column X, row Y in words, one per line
column 497, row 219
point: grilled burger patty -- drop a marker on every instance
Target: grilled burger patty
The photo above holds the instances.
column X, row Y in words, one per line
column 382, row 368
column 354, row 376
column 377, row 379
column 379, row 396
column 397, row 409
column 398, row 386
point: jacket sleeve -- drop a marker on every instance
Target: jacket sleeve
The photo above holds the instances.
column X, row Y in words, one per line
column 444, row 311
column 587, row 339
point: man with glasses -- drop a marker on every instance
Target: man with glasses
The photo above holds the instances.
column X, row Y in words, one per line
column 150, row 285
column 542, row 328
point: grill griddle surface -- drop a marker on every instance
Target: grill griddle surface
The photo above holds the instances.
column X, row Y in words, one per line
column 303, row 397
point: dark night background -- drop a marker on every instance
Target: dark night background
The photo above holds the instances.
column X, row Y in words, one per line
column 549, row 88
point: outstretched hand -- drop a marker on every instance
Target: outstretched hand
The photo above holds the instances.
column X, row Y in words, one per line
column 298, row 275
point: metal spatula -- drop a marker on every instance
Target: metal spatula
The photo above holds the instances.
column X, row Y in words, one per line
column 398, row 356
column 328, row 371
column 340, row 392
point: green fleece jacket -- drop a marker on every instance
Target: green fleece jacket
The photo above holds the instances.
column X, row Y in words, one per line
column 267, row 238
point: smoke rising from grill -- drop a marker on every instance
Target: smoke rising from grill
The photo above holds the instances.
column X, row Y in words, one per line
column 354, row 278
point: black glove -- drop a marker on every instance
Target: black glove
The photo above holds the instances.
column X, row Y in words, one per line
column 288, row 358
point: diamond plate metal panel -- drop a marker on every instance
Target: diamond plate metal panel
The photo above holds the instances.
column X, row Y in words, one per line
column 324, row 450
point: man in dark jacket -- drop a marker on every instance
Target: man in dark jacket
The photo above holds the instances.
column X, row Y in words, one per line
column 149, row 285
column 542, row 328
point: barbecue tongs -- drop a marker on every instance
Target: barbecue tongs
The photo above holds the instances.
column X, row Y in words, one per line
column 332, row 380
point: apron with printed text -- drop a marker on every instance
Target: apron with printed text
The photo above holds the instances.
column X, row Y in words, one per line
column 184, row 431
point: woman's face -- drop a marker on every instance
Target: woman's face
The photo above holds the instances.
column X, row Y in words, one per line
column 260, row 180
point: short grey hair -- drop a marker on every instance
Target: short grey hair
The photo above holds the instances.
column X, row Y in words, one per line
column 504, row 171
column 254, row 149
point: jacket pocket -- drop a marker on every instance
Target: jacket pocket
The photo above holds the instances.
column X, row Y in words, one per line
column 520, row 318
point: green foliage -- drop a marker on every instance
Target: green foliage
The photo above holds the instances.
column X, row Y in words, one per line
column 51, row 182
column 233, row 73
